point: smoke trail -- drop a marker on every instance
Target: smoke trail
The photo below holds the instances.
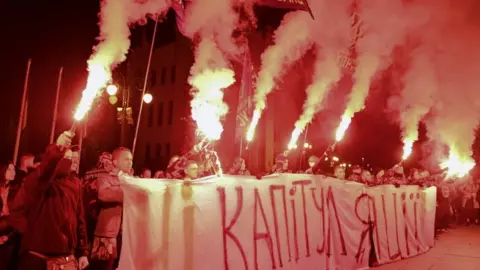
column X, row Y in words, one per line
column 332, row 40
column 385, row 25
column 292, row 40
column 114, row 42
column 418, row 94
column 419, row 82
column 115, row 18
column 457, row 63
column 212, row 22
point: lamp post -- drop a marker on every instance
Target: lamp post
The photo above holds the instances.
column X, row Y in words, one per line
column 124, row 112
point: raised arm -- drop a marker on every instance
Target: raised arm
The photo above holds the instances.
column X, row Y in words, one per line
column 30, row 186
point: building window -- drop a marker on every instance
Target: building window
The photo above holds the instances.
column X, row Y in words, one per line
column 147, row 153
column 153, row 78
column 167, row 150
column 150, row 116
column 173, row 74
column 160, row 114
column 170, row 112
column 164, row 75
column 158, row 151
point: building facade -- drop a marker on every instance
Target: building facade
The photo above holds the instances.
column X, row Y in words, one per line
column 164, row 121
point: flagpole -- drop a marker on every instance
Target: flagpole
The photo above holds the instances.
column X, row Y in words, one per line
column 80, row 144
column 22, row 112
column 147, row 72
column 309, row 9
column 55, row 108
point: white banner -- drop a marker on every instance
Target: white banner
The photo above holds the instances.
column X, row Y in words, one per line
column 403, row 221
column 280, row 222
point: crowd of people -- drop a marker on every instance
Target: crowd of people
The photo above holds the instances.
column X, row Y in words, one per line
column 51, row 218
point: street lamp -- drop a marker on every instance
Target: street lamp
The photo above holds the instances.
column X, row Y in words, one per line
column 112, row 89
column 307, row 146
column 112, row 99
column 147, row 98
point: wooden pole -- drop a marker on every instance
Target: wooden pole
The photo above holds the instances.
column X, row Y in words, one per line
column 22, row 113
column 147, row 72
column 80, row 144
column 55, row 108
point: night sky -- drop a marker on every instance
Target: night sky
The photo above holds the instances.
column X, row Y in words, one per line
column 59, row 33
column 53, row 34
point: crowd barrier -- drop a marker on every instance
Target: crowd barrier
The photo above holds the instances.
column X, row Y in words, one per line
column 288, row 221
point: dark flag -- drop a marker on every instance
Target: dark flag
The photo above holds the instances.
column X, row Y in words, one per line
column 179, row 7
column 245, row 102
column 288, row 4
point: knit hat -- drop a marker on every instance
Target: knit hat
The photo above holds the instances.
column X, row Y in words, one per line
column 105, row 161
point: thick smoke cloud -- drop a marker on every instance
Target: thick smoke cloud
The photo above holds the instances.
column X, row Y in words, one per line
column 292, row 40
column 420, row 84
column 385, row 25
column 455, row 42
column 115, row 18
column 211, row 23
column 114, row 41
column 333, row 37
column 441, row 78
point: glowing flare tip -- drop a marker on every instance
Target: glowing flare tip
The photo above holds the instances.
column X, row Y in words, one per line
column 407, row 149
column 207, row 104
column 457, row 166
column 98, row 77
column 293, row 141
column 342, row 128
column 253, row 125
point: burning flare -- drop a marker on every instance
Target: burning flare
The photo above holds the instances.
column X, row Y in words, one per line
column 342, row 128
column 98, row 77
column 327, row 72
column 212, row 23
column 253, row 125
column 207, row 104
column 407, row 148
column 334, row 37
column 292, row 40
column 385, row 28
column 458, row 166
column 114, row 42
column 293, row 140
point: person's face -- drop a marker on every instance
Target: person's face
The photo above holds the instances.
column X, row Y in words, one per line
column 10, row 173
column 340, row 173
column 124, row 162
column 29, row 163
column 75, row 161
column 285, row 165
column 366, row 176
column 147, row 174
column 311, row 163
column 192, row 171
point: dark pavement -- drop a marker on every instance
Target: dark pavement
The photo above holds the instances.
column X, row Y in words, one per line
column 458, row 248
